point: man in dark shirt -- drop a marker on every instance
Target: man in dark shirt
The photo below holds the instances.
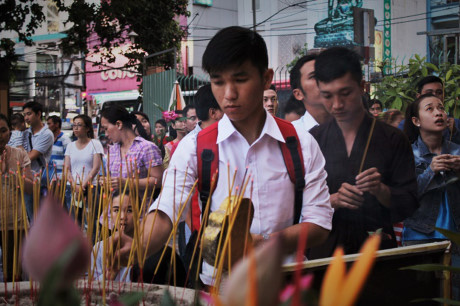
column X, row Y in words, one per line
column 385, row 191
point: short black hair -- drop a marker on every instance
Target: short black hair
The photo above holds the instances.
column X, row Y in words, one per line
column 187, row 108
column 162, row 122
column 34, row 106
column 204, row 101
column 334, row 63
column 374, row 101
column 233, row 46
column 295, row 74
column 427, row 80
column 144, row 115
column 294, row 106
column 56, row 120
column 17, row 119
column 272, row 87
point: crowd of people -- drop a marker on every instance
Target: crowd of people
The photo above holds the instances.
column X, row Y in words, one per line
column 356, row 172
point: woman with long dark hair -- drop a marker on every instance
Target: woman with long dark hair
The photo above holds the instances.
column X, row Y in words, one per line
column 118, row 124
column 437, row 164
column 145, row 122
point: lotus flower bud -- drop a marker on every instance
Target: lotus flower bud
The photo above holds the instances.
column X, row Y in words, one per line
column 51, row 234
column 268, row 259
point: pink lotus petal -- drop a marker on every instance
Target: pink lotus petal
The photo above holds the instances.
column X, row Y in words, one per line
column 51, row 234
column 288, row 291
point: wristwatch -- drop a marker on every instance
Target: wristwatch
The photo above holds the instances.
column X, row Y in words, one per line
column 265, row 237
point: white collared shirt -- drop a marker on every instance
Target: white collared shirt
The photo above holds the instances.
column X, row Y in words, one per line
column 306, row 122
column 272, row 190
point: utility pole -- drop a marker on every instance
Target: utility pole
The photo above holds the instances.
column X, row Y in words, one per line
column 62, row 88
column 254, row 14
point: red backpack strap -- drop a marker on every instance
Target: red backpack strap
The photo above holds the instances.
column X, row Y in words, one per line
column 207, row 152
column 293, row 158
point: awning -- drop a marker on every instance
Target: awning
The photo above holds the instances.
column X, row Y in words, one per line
column 101, row 98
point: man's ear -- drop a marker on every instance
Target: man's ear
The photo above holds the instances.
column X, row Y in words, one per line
column 268, row 78
column 119, row 124
column 298, row 94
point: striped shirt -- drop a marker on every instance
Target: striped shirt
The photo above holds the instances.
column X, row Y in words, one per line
column 19, row 139
column 57, row 154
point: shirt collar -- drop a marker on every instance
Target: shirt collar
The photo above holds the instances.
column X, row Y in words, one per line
column 423, row 149
column 45, row 127
column 308, row 121
column 226, row 129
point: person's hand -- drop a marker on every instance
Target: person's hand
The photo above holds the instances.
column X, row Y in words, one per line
column 121, row 244
column 115, row 183
column 453, row 162
column 348, row 196
column 440, row 163
column 369, row 181
column 112, row 272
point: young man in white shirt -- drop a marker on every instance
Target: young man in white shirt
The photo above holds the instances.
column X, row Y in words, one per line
column 248, row 136
column 41, row 139
column 305, row 90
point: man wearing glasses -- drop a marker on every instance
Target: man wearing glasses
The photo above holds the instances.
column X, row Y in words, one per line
column 192, row 119
column 271, row 100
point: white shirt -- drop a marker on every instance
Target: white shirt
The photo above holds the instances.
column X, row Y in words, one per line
column 273, row 191
column 306, row 122
column 81, row 161
column 42, row 141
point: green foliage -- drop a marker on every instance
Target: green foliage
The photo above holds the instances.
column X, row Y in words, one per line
column 432, row 267
column 398, row 90
column 19, row 17
column 131, row 299
column 155, row 23
column 455, row 238
column 302, row 52
column 167, row 299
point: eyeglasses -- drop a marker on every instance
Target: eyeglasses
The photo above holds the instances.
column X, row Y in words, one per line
column 77, row 126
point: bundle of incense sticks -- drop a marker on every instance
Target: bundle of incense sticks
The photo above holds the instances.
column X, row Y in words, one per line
column 96, row 205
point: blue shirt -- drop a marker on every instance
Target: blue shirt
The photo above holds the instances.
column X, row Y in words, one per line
column 56, row 163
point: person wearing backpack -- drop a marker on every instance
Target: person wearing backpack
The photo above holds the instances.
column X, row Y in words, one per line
column 247, row 136
column 41, row 139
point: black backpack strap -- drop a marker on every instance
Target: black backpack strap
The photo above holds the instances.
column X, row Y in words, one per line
column 208, row 162
column 292, row 144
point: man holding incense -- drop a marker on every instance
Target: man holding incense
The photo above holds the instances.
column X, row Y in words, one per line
column 370, row 165
column 248, row 136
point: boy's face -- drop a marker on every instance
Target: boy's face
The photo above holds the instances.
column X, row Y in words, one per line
column 239, row 91
column 191, row 121
column 270, row 101
column 434, row 89
column 309, row 93
column 52, row 126
column 126, row 221
column 342, row 98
